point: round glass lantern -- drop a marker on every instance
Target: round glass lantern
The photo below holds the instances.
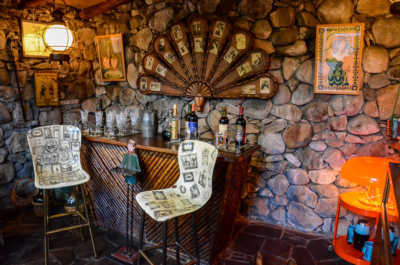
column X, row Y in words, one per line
column 58, row 37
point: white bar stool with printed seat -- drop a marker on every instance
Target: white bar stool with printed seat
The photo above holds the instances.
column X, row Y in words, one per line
column 190, row 193
column 56, row 161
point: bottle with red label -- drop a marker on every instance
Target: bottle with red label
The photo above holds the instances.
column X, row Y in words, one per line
column 240, row 129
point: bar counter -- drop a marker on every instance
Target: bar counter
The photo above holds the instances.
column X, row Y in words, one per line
column 160, row 169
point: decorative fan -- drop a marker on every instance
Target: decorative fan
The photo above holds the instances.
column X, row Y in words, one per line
column 209, row 58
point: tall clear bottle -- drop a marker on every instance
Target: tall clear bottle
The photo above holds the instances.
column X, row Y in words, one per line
column 174, row 126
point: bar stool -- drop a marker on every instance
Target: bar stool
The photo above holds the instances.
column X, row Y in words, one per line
column 56, row 161
column 191, row 192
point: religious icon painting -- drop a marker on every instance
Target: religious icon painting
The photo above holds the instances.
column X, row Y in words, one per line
column 198, row 45
column 219, row 29
column 161, row 70
column 177, row 32
column 111, row 56
column 338, row 55
column 231, row 54
column 149, row 63
column 196, row 28
column 249, row 89
column 143, row 84
column 214, row 47
column 265, row 85
column 183, row 50
column 46, row 88
column 240, row 41
column 155, row 86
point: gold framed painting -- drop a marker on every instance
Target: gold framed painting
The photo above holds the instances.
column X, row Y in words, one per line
column 46, row 88
column 110, row 52
column 32, row 39
column 338, row 54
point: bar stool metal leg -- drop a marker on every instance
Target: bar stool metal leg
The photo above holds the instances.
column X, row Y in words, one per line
column 195, row 239
column 164, row 238
column 88, row 219
column 45, row 225
column 177, row 240
column 141, row 232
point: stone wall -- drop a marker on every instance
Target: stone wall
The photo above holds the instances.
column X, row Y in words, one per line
column 305, row 138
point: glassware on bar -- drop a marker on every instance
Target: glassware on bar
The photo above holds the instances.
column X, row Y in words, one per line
column 148, row 124
column 84, row 120
column 122, row 124
column 134, row 116
column 110, row 121
column 99, row 123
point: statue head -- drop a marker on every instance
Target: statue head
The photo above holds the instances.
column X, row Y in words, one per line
column 131, row 146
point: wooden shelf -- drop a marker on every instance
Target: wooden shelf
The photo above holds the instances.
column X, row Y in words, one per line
column 352, row 255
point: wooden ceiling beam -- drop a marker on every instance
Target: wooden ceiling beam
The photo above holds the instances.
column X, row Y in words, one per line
column 34, row 3
column 100, row 8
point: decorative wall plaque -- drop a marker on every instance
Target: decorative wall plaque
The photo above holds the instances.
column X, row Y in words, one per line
column 338, row 54
column 207, row 58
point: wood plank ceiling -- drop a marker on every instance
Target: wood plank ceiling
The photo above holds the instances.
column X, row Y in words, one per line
column 89, row 8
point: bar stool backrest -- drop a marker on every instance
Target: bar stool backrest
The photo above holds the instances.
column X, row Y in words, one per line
column 55, row 153
column 196, row 165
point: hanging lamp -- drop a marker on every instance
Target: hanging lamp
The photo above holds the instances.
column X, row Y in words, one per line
column 58, row 37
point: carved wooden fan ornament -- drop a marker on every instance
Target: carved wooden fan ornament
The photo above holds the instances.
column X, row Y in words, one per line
column 207, row 58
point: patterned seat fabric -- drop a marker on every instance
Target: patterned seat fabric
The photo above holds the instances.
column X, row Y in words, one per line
column 55, row 153
column 193, row 188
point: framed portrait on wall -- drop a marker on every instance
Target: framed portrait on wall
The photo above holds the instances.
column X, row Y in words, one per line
column 46, row 88
column 32, row 40
column 110, row 52
column 338, row 55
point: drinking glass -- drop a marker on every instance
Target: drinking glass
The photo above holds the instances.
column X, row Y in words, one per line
column 110, row 121
column 121, row 124
column 99, row 123
column 84, row 120
column 134, row 116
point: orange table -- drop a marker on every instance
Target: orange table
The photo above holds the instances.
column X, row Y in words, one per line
column 351, row 202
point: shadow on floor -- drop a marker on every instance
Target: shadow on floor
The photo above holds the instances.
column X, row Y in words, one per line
column 264, row 244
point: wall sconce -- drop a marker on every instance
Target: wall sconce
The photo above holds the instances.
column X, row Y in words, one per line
column 58, row 38
column 395, row 7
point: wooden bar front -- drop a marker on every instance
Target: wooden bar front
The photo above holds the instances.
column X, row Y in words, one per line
column 160, row 169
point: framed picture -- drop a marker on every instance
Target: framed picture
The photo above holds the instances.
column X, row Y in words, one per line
column 110, row 51
column 338, row 58
column 32, row 39
column 46, row 88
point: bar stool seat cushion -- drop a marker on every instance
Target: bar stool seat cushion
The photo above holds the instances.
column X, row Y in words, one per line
column 193, row 188
column 55, row 153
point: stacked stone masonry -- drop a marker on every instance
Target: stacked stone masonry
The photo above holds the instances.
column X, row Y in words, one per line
column 305, row 138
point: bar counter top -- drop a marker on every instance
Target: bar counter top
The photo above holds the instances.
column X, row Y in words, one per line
column 158, row 144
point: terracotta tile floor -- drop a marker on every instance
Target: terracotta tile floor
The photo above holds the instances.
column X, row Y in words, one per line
column 264, row 244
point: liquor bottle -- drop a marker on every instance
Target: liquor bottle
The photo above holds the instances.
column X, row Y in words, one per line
column 187, row 130
column 240, row 129
column 193, row 124
column 174, row 125
column 223, row 127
